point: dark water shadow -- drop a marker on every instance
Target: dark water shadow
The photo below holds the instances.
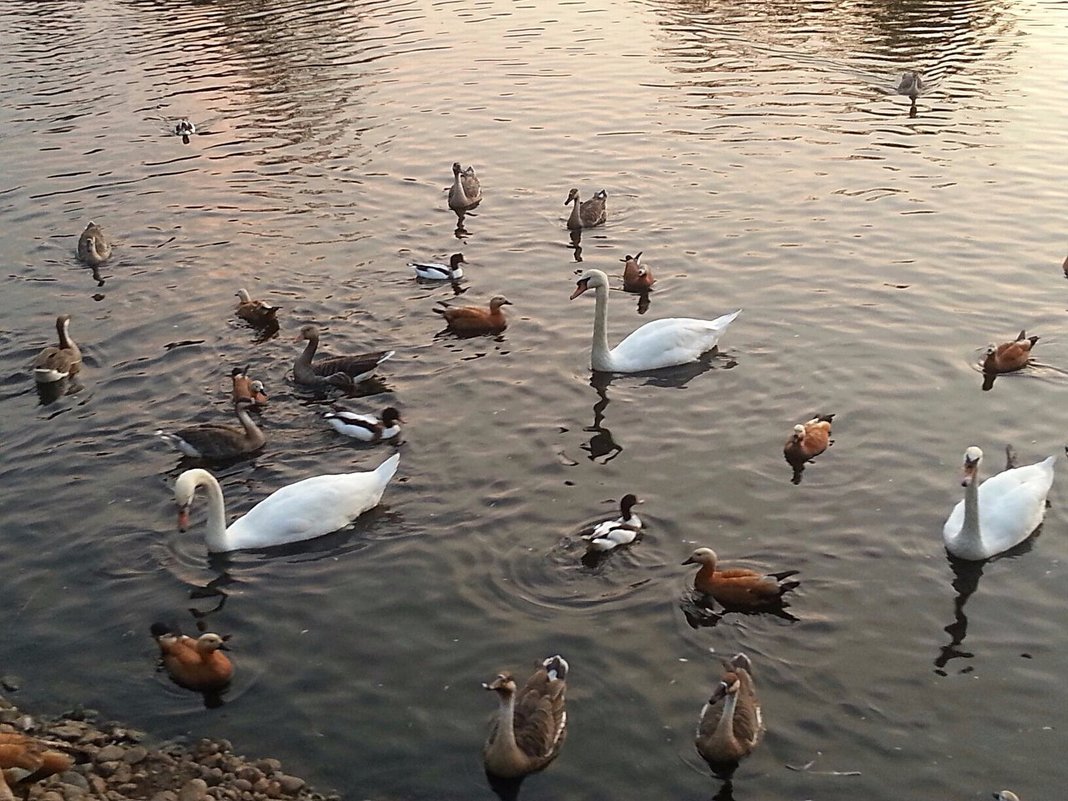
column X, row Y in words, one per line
column 49, row 393
column 726, row 790
column 701, row 610
column 679, row 376
column 504, row 789
column 460, row 232
column 576, row 244
column 602, row 447
column 966, row 575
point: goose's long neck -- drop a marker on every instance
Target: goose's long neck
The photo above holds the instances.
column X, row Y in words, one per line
column 252, row 431
column 458, row 186
column 309, row 351
column 724, row 734
column 600, row 356
column 970, row 529
column 64, row 334
column 505, row 723
column 575, row 218
column 215, row 536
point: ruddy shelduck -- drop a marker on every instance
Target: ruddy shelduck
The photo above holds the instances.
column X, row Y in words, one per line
column 245, row 388
column 739, row 588
column 196, row 664
column 256, row 312
column 808, row 440
column 474, row 320
column 636, row 276
column 1009, row 356
column 28, row 758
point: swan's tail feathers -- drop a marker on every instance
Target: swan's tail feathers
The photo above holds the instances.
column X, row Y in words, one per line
column 386, row 470
column 556, row 666
column 724, row 320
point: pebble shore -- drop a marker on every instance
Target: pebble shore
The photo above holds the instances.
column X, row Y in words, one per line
column 116, row 763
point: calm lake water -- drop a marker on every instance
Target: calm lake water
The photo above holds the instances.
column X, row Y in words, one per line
column 756, row 153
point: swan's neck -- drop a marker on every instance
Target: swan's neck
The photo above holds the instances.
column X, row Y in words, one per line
column 969, row 531
column 600, row 355
column 215, row 536
column 724, row 734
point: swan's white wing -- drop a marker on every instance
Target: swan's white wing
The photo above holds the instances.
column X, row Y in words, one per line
column 1012, row 504
column 668, row 342
column 307, row 509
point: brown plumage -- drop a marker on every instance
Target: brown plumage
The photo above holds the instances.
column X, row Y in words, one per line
column 731, row 723
column 217, row 442
column 466, row 190
column 588, row 213
column 257, row 312
column 28, row 759
column 1009, row 356
column 530, row 726
column 196, row 664
column 93, row 247
column 59, row 361
column 808, row 440
column 247, row 389
column 739, row 588
column 636, row 276
column 339, row 371
column 469, row 320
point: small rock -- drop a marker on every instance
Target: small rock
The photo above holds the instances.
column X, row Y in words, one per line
column 106, row 769
column 165, row 795
column 10, row 682
column 74, row 779
column 243, row 785
column 110, row 753
column 72, row 793
column 269, row 765
column 291, row 785
column 193, row 790
column 67, row 731
column 212, row 776
column 135, row 754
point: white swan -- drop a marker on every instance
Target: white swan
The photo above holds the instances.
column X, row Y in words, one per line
column 1001, row 513
column 660, row 343
column 301, row 511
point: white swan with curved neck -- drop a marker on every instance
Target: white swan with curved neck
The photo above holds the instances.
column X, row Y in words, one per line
column 301, row 511
column 1001, row 513
column 660, row 343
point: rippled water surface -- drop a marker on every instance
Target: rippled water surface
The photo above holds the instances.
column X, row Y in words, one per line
column 756, row 153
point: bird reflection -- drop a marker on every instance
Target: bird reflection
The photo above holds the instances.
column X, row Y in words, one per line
column 505, row 789
column 576, row 243
column 988, row 380
column 460, row 231
column 966, row 576
column 643, row 301
column 725, row 792
column 48, row 393
column 602, row 448
column 701, row 613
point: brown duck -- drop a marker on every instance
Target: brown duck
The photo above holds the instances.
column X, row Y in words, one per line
column 196, row 664
column 731, row 724
column 245, row 388
column 739, row 588
column 530, row 725
column 28, row 758
column 256, row 312
column 1009, row 356
column 636, row 276
column 473, row 320
column 808, row 440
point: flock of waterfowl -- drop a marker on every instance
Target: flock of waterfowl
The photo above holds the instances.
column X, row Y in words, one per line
column 531, row 724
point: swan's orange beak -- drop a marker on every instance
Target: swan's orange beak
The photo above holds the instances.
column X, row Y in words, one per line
column 581, row 287
column 183, row 518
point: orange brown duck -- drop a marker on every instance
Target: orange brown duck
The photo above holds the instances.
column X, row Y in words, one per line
column 246, row 388
column 808, row 440
column 473, row 320
column 739, row 588
column 256, row 312
column 1009, row 356
column 196, row 664
column 636, row 276
column 28, row 759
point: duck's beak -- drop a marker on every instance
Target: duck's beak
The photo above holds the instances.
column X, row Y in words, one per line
column 689, row 561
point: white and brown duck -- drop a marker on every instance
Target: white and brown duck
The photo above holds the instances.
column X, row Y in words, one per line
column 531, row 723
column 245, row 388
column 586, row 213
column 808, row 440
column 213, row 442
column 196, row 664
column 731, row 723
column 59, row 361
column 257, row 312
column 1009, row 357
column 739, row 588
column 366, row 427
column 636, row 276
column 338, row 371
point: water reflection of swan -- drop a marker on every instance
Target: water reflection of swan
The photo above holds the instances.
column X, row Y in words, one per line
column 602, row 448
column 966, row 577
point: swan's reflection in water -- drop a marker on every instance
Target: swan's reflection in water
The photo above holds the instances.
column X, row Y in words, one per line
column 602, row 447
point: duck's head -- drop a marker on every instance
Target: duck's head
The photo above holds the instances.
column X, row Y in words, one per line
column 728, row 685
column 308, row 331
column 456, row 259
column 497, row 301
column 456, row 168
column 257, row 387
column 799, row 432
column 244, row 295
column 391, row 415
column 627, row 502
column 591, row 279
column 503, row 684
column 572, row 195
column 972, row 457
column 702, row 556
column 211, row 642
